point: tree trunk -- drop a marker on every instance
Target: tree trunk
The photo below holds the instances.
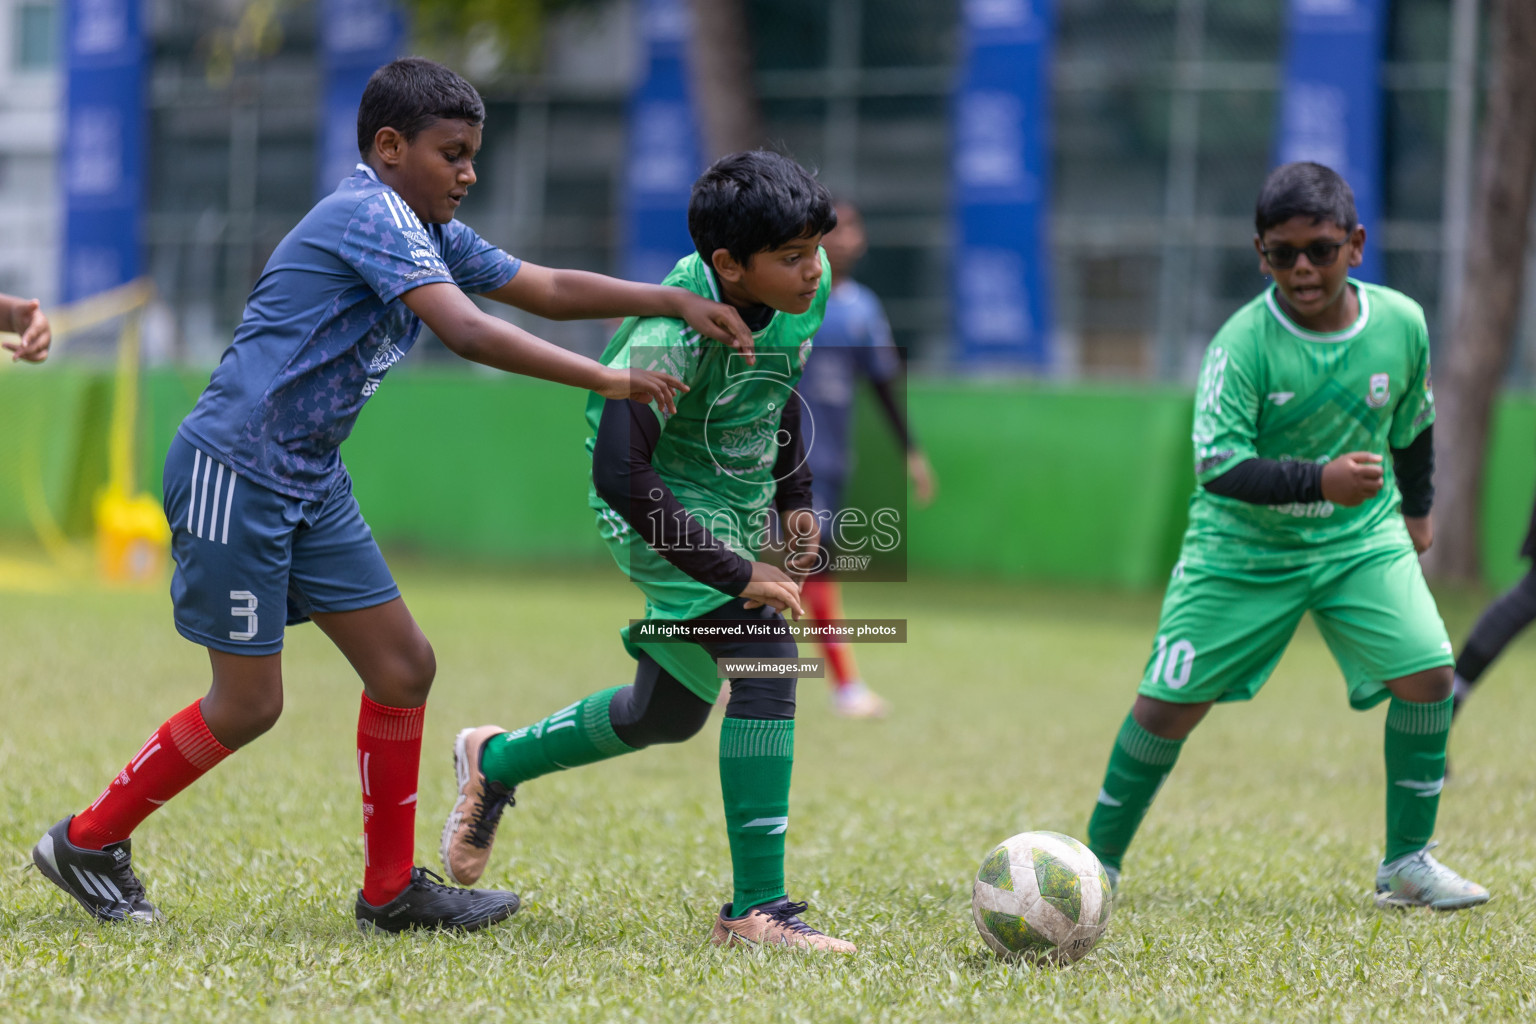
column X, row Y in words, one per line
column 1473, row 362
column 721, row 56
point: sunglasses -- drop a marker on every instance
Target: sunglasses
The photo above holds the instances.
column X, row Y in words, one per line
column 1319, row 254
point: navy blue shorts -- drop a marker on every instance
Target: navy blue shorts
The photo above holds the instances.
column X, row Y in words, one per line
column 250, row 561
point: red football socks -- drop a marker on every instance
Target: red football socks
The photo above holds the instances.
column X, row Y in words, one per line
column 388, row 761
column 176, row 756
column 823, row 602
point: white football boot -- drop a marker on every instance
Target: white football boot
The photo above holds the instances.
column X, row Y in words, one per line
column 1418, row 880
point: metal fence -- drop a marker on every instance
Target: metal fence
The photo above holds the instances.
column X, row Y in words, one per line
column 1164, row 115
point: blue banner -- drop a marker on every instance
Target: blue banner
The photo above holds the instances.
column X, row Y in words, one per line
column 1330, row 106
column 356, row 38
column 663, row 146
column 1002, row 286
column 103, row 151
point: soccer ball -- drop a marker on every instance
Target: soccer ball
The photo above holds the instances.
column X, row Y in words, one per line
column 1041, row 896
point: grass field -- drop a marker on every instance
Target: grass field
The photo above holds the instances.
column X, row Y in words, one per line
column 1245, row 898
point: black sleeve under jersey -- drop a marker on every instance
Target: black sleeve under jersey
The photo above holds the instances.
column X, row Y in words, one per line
column 623, row 475
column 894, row 413
column 1415, row 469
column 1270, row 482
column 791, row 468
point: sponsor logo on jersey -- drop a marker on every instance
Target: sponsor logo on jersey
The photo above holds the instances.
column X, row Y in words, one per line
column 748, row 441
column 1280, row 397
column 1306, row 510
column 1381, row 390
column 384, row 358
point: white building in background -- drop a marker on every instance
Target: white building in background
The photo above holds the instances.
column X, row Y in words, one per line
column 31, row 91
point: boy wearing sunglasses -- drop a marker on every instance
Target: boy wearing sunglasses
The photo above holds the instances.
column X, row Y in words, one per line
column 1303, row 394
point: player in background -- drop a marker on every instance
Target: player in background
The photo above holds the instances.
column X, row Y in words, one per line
column 1303, row 394
column 1501, row 622
column 683, row 499
column 265, row 530
column 23, row 318
column 854, row 341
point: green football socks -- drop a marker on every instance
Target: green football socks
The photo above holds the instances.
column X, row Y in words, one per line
column 1137, row 767
column 1415, row 751
column 756, row 758
column 573, row 736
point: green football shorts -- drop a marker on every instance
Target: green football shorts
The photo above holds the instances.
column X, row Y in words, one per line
column 669, row 594
column 1223, row 630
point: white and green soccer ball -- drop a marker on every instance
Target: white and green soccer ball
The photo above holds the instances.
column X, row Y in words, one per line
column 1041, row 896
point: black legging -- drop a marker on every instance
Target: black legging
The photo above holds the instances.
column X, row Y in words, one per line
column 1498, row 625
column 656, row 708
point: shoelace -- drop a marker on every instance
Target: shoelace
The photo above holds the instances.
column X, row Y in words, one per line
column 1423, row 857
column 430, row 880
column 788, row 915
column 126, row 881
column 482, row 826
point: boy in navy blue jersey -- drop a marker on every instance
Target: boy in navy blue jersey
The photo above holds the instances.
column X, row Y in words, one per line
column 265, row 530
column 854, row 341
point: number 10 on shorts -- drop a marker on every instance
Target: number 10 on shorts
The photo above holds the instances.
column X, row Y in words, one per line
column 1174, row 662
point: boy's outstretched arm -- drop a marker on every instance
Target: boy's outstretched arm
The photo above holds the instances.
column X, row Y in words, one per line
column 24, row 318
column 580, row 295
column 481, row 338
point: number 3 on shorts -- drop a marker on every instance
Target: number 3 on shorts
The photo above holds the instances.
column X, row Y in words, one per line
column 248, row 613
column 1174, row 662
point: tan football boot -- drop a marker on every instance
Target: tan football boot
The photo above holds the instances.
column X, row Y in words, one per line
column 776, row 923
column 471, row 825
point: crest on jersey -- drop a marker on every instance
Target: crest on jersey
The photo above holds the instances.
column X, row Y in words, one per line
column 1381, row 390
column 386, row 357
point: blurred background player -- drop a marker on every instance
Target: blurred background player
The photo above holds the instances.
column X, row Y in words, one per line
column 683, row 501
column 1301, row 394
column 854, row 341
column 265, row 529
column 23, row 318
column 1500, row 623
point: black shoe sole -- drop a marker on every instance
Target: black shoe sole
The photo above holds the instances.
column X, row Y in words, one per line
column 368, row 926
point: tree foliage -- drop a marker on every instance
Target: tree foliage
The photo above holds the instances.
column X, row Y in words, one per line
column 510, row 31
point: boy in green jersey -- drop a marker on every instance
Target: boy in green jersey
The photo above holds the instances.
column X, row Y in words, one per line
column 1301, row 395
column 683, row 503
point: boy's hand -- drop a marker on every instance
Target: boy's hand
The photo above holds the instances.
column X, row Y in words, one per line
column 803, row 533
column 925, row 486
column 1352, row 478
column 715, row 320
column 1421, row 531
column 36, row 334
column 643, row 386
column 771, row 586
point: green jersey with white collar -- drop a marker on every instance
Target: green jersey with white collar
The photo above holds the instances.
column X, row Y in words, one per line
column 1272, row 389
